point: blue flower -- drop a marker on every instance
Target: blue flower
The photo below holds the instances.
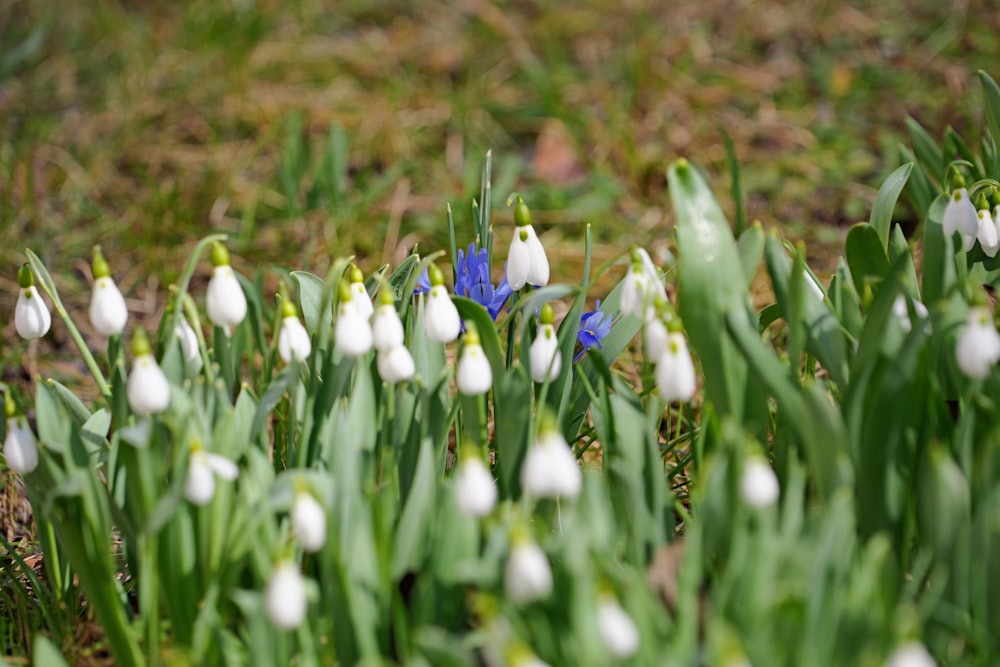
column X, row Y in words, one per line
column 473, row 281
column 423, row 285
column 594, row 325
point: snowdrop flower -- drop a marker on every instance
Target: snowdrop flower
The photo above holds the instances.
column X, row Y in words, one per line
column 616, row 627
column 910, row 654
column 395, row 365
column 20, row 449
column 293, row 339
column 353, row 333
column 387, row 329
column 550, row 469
column 359, row 295
column 902, row 313
column 642, row 287
column 202, row 469
column 989, row 239
column 546, row 362
column 441, row 321
column 473, row 375
column 526, row 261
column 978, row 346
column 108, row 312
column 758, row 483
column 960, row 215
column 189, row 341
column 31, row 316
column 225, row 301
column 475, row 488
column 147, row 389
column 675, row 378
column 285, row 598
column 527, row 576
column 308, row 521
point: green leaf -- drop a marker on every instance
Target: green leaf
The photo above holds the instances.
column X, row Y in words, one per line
column 918, row 188
column 751, row 248
column 991, row 105
column 885, row 201
column 286, row 378
column 926, row 149
column 866, row 257
column 472, row 311
column 413, row 532
column 45, row 654
column 939, row 273
column 315, row 309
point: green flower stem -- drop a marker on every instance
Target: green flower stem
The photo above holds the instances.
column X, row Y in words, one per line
column 47, row 284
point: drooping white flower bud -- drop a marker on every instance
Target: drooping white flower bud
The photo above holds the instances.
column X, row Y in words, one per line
column 617, row 629
column 285, row 598
column 395, row 365
column 387, row 329
column 473, row 375
column 225, row 301
column 31, row 316
column 654, row 338
column 308, row 521
column 546, row 362
column 960, row 215
column 526, row 261
column 475, row 488
column 442, row 323
column 20, row 449
column 978, row 346
column 527, row 576
column 902, row 313
column 675, row 377
column 202, row 470
column 293, row 339
column 108, row 312
column 189, row 340
column 989, row 240
column 758, row 483
column 910, row 654
column 353, row 333
column 550, row 469
column 147, row 390
column 359, row 295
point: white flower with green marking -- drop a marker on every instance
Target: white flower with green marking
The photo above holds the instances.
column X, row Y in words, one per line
column 203, row 468
column 308, row 521
column 147, row 389
column 31, row 316
column 20, row 449
column 225, row 301
column 285, row 598
column 978, row 346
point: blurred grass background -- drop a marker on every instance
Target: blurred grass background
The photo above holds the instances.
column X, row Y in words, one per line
column 308, row 130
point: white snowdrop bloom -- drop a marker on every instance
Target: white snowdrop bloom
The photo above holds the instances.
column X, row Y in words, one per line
column 527, row 576
column 654, row 338
column 31, row 316
column 617, row 629
column 978, row 346
column 634, row 290
column 989, row 241
column 285, row 598
column 189, row 341
column 225, row 301
column 960, row 215
column 550, row 469
column 293, row 340
column 147, row 389
column 359, row 295
column 473, row 375
column 202, row 470
column 546, row 362
column 475, row 488
column 910, row 654
column 758, row 483
column 442, row 323
column 20, row 449
column 108, row 312
column 675, row 377
column 353, row 333
column 526, row 260
column 901, row 311
column 395, row 365
column 387, row 329
column 308, row 521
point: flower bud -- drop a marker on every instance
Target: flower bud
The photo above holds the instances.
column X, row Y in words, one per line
column 225, row 300
column 285, row 598
column 353, row 333
column 758, row 483
column 442, row 323
column 473, row 375
column 308, row 522
column 20, row 449
column 617, row 628
column 108, row 312
column 31, row 316
column 675, row 377
column 527, row 576
column 148, row 390
column 293, row 339
column 550, row 469
column 395, row 365
column 475, row 488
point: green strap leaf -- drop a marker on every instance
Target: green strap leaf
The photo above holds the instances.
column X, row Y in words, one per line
column 885, row 201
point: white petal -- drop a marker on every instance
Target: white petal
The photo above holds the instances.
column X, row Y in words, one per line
column 910, row 654
column 189, row 340
column 442, row 323
column 20, row 448
column 200, row 485
column 353, row 334
column 550, row 469
column 293, row 340
column 285, row 598
column 518, row 261
column 309, row 522
column 395, row 365
column 538, row 271
column 978, row 345
column 108, row 312
column 475, row 488
column 148, row 390
column 527, row 576
column 617, row 629
column 387, row 330
column 634, row 294
column 474, row 375
column 960, row 215
column 987, row 234
column 758, row 483
column 361, row 301
column 654, row 338
column 31, row 316
column 225, row 301
column 221, row 466
column 675, row 377
column 546, row 362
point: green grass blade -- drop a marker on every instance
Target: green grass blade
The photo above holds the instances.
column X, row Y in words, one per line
column 885, row 201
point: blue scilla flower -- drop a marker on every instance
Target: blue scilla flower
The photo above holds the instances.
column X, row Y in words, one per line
column 473, row 281
column 594, row 326
column 423, row 285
